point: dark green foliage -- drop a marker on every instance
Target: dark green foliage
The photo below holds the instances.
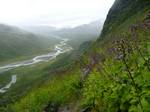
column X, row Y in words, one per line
column 121, row 11
column 121, row 82
column 59, row 91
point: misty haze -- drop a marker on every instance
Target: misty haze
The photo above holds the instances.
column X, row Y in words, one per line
column 74, row 55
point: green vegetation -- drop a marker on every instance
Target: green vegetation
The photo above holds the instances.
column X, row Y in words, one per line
column 27, row 78
column 122, row 15
column 41, row 76
column 112, row 75
column 121, row 82
column 16, row 44
column 59, row 90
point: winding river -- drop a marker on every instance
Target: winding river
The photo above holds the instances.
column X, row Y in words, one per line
column 13, row 81
column 59, row 48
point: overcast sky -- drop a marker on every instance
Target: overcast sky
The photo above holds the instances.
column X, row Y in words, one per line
column 59, row 13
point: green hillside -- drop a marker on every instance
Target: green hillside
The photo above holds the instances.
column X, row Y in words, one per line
column 16, row 43
column 110, row 75
column 123, row 14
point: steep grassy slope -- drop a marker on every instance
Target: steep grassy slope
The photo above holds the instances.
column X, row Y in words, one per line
column 123, row 14
column 119, row 82
column 15, row 43
column 113, row 76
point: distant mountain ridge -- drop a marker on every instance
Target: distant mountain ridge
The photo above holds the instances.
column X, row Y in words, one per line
column 8, row 28
column 15, row 42
column 76, row 35
column 82, row 33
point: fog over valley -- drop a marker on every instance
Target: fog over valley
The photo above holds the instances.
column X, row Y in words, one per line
column 57, row 13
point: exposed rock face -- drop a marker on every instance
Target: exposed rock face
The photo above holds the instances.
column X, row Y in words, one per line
column 148, row 14
column 51, row 107
column 94, row 60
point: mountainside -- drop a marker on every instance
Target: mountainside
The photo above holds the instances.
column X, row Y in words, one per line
column 110, row 75
column 76, row 35
column 92, row 28
column 82, row 33
column 123, row 14
column 15, row 43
